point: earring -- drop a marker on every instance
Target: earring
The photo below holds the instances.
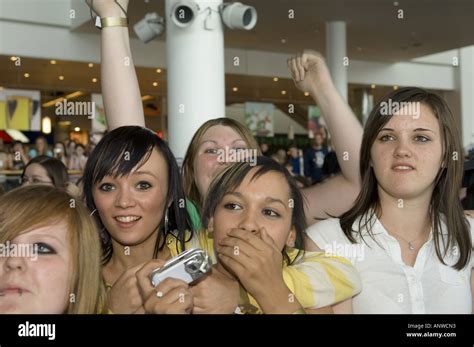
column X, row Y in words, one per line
column 166, row 222
column 92, row 213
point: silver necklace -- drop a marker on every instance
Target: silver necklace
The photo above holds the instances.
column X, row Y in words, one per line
column 411, row 247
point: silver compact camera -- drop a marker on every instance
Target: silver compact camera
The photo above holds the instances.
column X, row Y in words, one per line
column 188, row 266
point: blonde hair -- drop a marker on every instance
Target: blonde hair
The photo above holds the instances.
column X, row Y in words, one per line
column 189, row 184
column 36, row 206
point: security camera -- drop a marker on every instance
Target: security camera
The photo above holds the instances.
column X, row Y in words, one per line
column 239, row 16
column 184, row 12
column 151, row 26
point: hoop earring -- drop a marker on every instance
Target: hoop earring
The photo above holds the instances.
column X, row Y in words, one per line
column 92, row 213
column 166, row 222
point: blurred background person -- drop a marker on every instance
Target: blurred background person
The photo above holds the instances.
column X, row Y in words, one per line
column 280, row 157
column 60, row 153
column 70, row 148
column 265, row 149
column 78, row 159
column 46, row 171
column 295, row 160
column 314, row 158
column 41, row 148
column 331, row 165
column 17, row 159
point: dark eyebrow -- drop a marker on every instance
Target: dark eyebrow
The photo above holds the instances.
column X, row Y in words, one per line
column 268, row 199
column 237, row 194
column 423, row 129
column 417, row 129
column 272, row 200
column 141, row 172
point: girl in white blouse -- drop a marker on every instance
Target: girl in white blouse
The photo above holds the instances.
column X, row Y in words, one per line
column 407, row 233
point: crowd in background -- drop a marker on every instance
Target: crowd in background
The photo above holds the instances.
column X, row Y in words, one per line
column 16, row 155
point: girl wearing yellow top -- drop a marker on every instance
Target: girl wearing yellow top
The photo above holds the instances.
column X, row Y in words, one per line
column 254, row 217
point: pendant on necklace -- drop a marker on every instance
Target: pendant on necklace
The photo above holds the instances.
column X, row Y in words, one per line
column 410, row 246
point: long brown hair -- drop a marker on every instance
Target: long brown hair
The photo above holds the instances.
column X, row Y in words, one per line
column 444, row 200
column 189, row 184
column 36, row 206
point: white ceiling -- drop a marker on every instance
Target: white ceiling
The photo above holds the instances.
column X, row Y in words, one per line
column 374, row 31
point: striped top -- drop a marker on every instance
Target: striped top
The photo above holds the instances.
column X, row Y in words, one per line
column 316, row 279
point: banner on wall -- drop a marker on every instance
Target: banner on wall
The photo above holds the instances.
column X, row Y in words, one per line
column 259, row 118
column 315, row 121
column 99, row 124
column 20, row 109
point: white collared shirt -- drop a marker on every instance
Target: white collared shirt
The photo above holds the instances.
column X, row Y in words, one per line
column 391, row 286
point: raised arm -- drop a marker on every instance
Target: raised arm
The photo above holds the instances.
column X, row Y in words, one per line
column 120, row 89
column 336, row 195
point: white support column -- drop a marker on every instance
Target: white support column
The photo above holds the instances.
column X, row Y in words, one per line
column 466, row 81
column 336, row 54
column 195, row 59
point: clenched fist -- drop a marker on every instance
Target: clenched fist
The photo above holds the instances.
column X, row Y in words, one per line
column 309, row 72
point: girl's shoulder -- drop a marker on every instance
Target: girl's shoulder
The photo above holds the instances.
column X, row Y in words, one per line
column 327, row 231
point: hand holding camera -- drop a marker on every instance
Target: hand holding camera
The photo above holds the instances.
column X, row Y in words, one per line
column 188, row 266
column 164, row 287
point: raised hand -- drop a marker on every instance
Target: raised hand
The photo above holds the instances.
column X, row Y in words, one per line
column 309, row 71
column 108, row 8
